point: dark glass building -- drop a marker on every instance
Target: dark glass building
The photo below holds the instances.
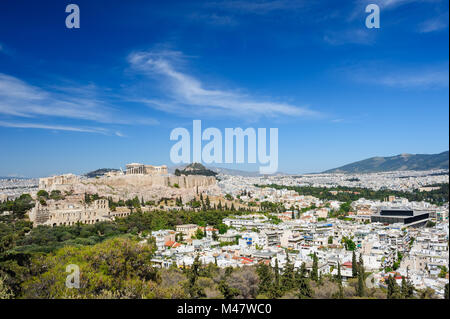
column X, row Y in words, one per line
column 406, row 217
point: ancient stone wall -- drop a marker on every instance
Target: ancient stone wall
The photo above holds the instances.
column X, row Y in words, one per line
column 145, row 187
column 57, row 213
column 191, row 181
column 67, row 179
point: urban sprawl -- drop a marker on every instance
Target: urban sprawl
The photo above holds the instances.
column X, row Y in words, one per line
column 393, row 223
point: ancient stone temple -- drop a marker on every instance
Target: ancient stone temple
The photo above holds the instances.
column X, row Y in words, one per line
column 136, row 168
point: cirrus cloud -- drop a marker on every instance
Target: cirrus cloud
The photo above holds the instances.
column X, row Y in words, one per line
column 19, row 100
column 186, row 94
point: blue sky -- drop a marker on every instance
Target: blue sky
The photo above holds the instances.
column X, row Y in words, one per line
column 109, row 93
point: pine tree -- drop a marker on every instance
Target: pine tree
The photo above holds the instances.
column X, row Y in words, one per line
column 407, row 288
column 360, row 287
column 87, row 198
column 404, row 288
column 276, row 290
column 265, row 279
column 227, row 291
column 354, row 265
column 339, row 281
column 194, row 289
column 277, row 273
column 315, row 268
column 302, row 281
column 287, row 278
column 393, row 291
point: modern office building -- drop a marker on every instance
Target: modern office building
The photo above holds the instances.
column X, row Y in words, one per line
column 407, row 217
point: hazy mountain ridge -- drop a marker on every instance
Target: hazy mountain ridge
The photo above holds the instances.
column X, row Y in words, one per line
column 402, row 162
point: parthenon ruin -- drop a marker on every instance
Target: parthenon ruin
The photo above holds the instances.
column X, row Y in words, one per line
column 137, row 168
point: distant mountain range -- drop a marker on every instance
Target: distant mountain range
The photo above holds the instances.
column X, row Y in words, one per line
column 402, row 162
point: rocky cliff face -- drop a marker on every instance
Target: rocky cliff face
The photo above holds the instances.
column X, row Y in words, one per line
column 191, row 181
column 144, row 186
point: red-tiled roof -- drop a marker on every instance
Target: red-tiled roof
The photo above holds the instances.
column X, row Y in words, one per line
column 169, row 243
column 347, row 264
column 172, row 244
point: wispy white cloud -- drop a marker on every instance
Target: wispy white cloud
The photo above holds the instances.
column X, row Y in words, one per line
column 187, row 95
column 23, row 100
column 385, row 5
column 215, row 19
column 355, row 36
column 259, row 6
column 428, row 79
column 96, row 130
column 433, row 77
column 18, row 98
column 119, row 134
column 391, row 4
column 435, row 24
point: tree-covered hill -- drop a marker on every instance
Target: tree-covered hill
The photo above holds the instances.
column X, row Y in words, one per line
column 100, row 172
column 195, row 169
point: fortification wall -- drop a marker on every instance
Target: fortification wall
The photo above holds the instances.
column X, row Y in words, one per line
column 143, row 186
column 190, row 181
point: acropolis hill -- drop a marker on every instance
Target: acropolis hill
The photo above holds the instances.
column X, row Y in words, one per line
column 145, row 181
